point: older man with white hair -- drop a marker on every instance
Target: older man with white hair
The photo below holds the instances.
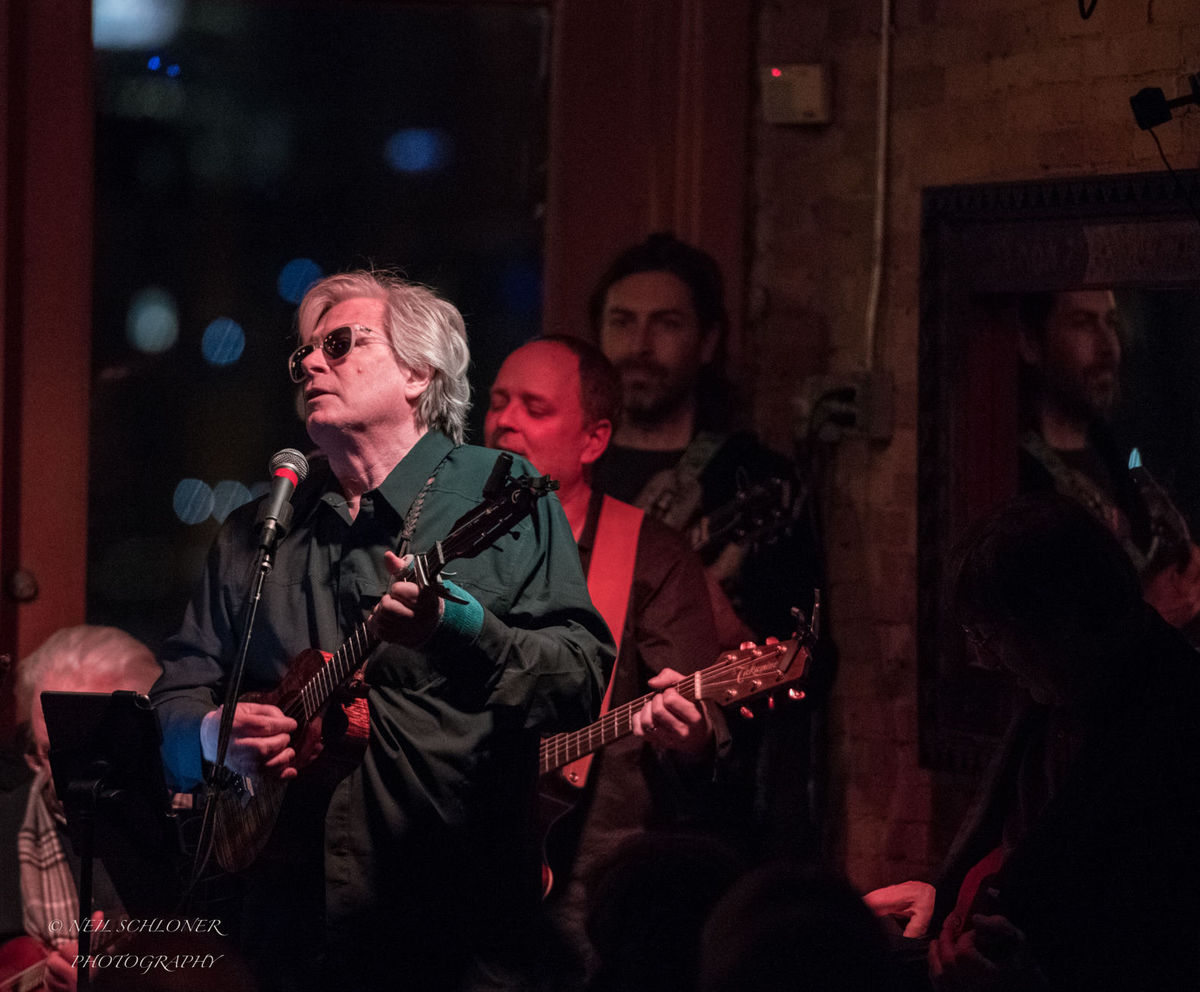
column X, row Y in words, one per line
column 74, row 659
column 418, row 869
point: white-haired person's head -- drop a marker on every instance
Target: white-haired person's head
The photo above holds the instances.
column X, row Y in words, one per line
column 86, row 658
column 426, row 333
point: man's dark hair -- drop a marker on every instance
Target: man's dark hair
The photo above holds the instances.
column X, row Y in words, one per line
column 1043, row 567
column 663, row 252
column 698, row 270
column 599, row 383
column 1034, row 309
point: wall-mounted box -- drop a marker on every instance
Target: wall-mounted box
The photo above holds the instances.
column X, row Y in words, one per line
column 798, row 93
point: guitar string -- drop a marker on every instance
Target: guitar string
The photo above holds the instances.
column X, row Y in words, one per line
column 308, row 701
column 558, row 750
column 361, row 640
column 583, row 741
column 553, row 752
column 316, row 692
column 343, row 662
column 613, row 720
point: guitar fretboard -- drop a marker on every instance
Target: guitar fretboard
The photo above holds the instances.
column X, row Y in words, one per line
column 344, row 663
column 562, row 749
column 477, row 529
column 737, row 675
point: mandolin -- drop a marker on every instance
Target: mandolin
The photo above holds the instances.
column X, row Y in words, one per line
column 245, row 814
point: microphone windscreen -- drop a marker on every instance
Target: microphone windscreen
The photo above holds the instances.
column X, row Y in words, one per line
column 292, row 459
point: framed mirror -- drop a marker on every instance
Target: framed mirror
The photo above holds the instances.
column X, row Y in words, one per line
column 983, row 248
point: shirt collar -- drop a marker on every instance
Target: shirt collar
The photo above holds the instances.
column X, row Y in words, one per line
column 405, row 481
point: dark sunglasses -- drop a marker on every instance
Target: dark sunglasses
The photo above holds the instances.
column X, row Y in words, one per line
column 336, row 344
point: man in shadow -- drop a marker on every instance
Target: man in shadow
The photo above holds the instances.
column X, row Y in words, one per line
column 1070, row 346
column 1077, row 866
column 40, row 886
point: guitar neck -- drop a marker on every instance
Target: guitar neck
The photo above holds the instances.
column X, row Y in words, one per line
column 334, row 674
column 475, row 530
column 737, row 676
column 358, row 646
column 562, row 749
column 757, row 513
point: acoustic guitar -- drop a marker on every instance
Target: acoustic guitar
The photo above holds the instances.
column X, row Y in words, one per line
column 244, row 815
column 737, row 677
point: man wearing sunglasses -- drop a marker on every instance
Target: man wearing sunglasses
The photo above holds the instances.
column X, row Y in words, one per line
column 427, row 846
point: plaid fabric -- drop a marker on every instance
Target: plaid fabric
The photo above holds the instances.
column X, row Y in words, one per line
column 47, row 885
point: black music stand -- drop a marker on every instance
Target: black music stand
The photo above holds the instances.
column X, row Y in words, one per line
column 104, row 753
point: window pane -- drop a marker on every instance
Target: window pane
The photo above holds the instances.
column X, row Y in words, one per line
column 242, row 149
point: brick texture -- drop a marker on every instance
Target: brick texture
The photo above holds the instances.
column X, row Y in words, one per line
column 1008, row 90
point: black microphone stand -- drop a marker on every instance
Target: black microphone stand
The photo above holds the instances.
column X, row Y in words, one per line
column 85, row 796
column 220, row 777
column 105, row 759
column 265, row 562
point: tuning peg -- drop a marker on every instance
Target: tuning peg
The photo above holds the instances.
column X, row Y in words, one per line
column 796, row 694
column 746, row 712
column 799, row 618
column 747, row 646
column 770, row 702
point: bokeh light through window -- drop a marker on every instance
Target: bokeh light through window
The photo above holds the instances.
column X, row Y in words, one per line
column 237, row 162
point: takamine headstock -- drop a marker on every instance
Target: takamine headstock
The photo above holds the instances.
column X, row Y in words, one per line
column 755, row 670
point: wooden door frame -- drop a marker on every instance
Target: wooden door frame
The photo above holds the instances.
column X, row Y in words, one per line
column 45, row 316
column 649, row 130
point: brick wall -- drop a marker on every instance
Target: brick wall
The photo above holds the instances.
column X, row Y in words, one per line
column 1007, row 90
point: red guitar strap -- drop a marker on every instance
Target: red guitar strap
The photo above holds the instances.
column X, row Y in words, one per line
column 972, row 882
column 610, row 581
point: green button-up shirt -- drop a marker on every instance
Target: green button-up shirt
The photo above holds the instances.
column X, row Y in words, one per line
column 450, row 769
